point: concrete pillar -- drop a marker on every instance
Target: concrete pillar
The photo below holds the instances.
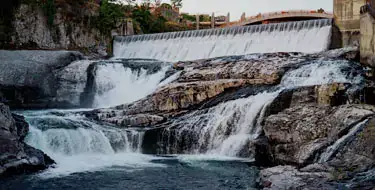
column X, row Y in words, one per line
column 197, row 21
column 213, row 20
column 129, row 27
column 227, row 19
column 243, row 17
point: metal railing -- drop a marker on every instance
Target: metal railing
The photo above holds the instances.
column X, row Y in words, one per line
column 271, row 15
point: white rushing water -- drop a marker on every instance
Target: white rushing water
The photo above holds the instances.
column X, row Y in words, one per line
column 321, row 72
column 78, row 145
column 117, row 84
column 305, row 36
column 227, row 128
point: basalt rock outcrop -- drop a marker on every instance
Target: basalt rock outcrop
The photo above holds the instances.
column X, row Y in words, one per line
column 202, row 81
column 29, row 78
column 15, row 156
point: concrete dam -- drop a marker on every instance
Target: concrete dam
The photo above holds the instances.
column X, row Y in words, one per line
column 302, row 36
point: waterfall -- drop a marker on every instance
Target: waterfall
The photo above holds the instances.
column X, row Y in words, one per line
column 78, row 145
column 323, row 72
column 229, row 128
column 118, row 84
column 221, row 130
column 68, row 133
column 303, row 36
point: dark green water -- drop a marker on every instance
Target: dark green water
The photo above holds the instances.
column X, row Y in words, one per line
column 162, row 173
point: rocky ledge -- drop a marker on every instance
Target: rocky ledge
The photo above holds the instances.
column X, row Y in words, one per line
column 16, row 157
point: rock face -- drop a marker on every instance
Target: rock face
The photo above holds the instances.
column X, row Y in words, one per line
column 28, row 79
column 31, row 28
column 289, row 177
column 297, row 134
column 15, row 156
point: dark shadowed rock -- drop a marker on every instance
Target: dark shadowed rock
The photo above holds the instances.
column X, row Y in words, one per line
column 289, row 177
column 27, row 78
column 359, row 153
column 299, row 133
column 15, row 156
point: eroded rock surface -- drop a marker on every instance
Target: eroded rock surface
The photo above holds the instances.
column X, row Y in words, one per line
column 27, row 78
column 298, row 133
column 15, row 156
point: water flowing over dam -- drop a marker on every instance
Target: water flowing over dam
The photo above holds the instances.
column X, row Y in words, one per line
column 303, row 36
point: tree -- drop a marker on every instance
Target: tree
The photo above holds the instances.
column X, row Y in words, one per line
column 177, row 3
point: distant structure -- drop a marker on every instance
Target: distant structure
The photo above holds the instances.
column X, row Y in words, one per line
column 282, row 16
column 347, row 18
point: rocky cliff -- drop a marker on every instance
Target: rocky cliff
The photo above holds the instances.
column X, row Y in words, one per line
column 28, row 26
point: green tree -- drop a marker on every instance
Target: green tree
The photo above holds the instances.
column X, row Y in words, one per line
column 109, row 15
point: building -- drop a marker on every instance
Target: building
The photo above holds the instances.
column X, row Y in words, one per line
column 347, row 18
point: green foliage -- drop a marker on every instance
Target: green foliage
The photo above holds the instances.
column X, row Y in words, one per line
column 148, row 23
column 204, row 18
column 49, row 9
column 109, row 15
column 188, row 17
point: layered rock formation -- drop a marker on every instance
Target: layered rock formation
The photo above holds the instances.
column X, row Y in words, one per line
column 16, row 156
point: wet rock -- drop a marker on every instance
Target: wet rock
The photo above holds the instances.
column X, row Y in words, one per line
column 359, row 153
column 172, row 99
column 72, row 81
column 299, row 133
column 266, row 67
column 137, row 120
column 206, row 82
column 326, row 95
column 289, row 177
column 15, row 156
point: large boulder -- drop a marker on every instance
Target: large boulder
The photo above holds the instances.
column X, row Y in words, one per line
column 359, row 153
column 28, row 78
column 289, row 177
column 16, row 156
column 297, row 134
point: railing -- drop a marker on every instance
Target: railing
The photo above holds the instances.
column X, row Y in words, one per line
column 266, row 16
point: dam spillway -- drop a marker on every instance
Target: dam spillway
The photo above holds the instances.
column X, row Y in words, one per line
column 302, row 36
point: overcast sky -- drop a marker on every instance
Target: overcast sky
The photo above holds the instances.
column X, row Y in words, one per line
column 251, row 7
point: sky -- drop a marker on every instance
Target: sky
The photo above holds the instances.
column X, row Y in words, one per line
column 251, row 7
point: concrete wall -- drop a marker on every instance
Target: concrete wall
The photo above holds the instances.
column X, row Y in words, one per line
column 347, row 18
column 367, row 47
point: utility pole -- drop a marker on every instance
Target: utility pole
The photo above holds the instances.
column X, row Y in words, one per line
column 213, row 20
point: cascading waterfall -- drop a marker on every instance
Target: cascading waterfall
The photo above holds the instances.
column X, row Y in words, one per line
column 116, row 84
column 226, row 129
column 322, row 72
column 77, row 144
column 304, row 36
column 62, row 133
